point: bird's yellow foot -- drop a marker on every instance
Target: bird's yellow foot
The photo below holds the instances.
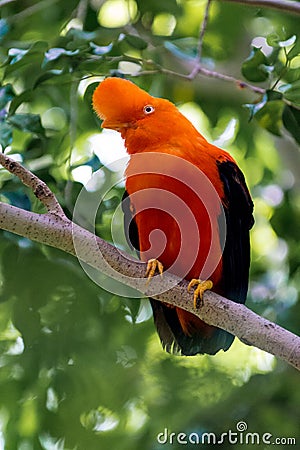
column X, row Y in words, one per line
column 202, row 286
column 152, row 266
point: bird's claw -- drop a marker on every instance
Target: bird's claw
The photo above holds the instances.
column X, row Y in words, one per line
column 152, row 266
column 202, row 286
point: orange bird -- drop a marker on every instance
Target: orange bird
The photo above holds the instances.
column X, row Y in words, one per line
column 187, row 209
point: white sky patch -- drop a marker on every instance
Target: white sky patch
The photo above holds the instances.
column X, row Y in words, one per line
column 272, row 194
column 227, row 135
column 136, row 417
column 106, row 424
column 264, row 361
column 196, row 116
column 110, row 149
column 3, row 421
column 96, row 181
column 15, row 156
column 17, row 347
column 82, row 174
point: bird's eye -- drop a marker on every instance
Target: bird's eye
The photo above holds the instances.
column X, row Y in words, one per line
column 149, row 109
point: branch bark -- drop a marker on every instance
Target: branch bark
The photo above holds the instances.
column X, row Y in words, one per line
column 60, row 232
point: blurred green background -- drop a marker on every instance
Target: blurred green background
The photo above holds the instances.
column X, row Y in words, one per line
column 81, row 368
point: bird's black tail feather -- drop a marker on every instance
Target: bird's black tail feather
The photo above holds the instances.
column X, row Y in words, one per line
column 174, row 340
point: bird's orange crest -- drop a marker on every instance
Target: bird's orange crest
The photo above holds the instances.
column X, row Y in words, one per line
column 119, row 101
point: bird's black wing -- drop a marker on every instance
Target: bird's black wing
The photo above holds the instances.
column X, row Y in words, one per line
column 130, row 227
column 238, row 207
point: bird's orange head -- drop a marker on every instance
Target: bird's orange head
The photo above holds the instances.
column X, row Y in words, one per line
column 120, row 103
column 144, row 121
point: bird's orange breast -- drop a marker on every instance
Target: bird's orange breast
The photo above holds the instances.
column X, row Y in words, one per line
column 176, row 212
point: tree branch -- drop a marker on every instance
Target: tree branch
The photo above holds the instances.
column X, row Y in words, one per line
column 203, row 29
column 288, row 6
column 39, row 188
column 200, row 70
column 58, row 231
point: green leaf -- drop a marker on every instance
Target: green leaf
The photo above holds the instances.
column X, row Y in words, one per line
column 270, row 116
column 55, row 53
column 292, row 93
column 25, row 96
column 101, row 50
column 255, row 67
column 6, row 95
column 47, row 76
column 273, row 95
column 16, row 54
column 292, row 75
column 132, row 307
column 20, row 58
column 88, row 94
column 136, row 42
column 5, row 134
column 4, row 28
column 294, row 51
column 291, row 121
column 255, row 107
column 269, row 96
column 185, row 48
column 276, row 40
column 287, row 42
column 27, row 122
column 81, row 36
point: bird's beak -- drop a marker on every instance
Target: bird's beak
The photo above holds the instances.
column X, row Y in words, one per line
column 114, row 125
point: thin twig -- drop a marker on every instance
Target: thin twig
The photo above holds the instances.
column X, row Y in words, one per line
column 203, row 27
column 287, row 6
column 81, row 10
column 39, row 188
column 205, row 72
column 239, row 83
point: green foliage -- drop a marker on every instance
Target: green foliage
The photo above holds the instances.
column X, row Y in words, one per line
column 278, row 68
column 255, row 68
column 291, row 121
column 81, row 368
